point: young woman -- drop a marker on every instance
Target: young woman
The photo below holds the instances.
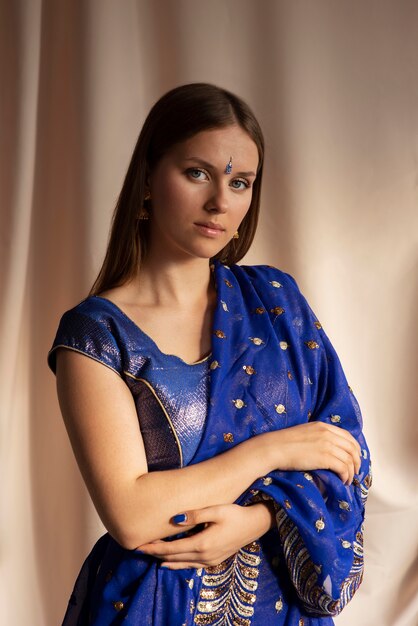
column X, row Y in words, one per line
column 212, row 422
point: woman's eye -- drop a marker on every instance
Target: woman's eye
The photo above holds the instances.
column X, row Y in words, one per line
column 197, row 174
column 240, row 183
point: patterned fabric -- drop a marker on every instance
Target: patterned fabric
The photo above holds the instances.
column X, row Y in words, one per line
column 271, row 367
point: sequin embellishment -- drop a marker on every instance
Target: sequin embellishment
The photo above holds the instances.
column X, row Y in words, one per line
column 312, row 345
column 248, row 370
column 228, row 438
column 280, row 408
column 256, row 341
column 344, row 505
column 277, row 310
column 228, row 591
column 239, row 404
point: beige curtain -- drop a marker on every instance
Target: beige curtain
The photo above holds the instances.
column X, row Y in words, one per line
column 335, row 86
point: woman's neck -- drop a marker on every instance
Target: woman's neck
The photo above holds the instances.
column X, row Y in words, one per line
column 165, row 283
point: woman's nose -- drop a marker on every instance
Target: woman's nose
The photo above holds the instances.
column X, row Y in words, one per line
column 218, row 201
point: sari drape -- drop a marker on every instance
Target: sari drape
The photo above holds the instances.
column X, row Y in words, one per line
column 272, row 367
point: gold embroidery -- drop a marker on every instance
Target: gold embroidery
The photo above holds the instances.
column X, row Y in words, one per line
column 228, row 438
column 344, row 505
column 224, row 306
column 248, row 370
column 317, row 325
column 368, row 481
column 319, row 524
column 278, row 310
column 219, row 333
column 228, row 590
column 256, row 341
column 239, row 403
column 312, row 345
column 289, row 375
column 214, row 365
column 259, row 310
column 279, row 605
column 227, row 283
column 274, row 283
column 284, row 345
column 280, row 408
column 335, row 419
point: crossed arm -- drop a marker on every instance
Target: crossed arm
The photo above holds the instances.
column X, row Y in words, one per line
column 137, row 507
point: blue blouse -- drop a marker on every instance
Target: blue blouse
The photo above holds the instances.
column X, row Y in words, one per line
column 171, row 396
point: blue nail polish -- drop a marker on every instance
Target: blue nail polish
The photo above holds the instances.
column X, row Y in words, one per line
column 180, row 518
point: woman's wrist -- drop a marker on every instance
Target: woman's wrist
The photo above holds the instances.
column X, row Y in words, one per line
column 261, row 518
column 268, row 451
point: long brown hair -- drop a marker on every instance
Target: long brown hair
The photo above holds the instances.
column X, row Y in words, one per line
column 177, row 116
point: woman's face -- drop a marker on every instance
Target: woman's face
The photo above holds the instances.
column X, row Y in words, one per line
column 196, row 205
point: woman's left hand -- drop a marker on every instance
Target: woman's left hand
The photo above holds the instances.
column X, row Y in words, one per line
column 228, row 527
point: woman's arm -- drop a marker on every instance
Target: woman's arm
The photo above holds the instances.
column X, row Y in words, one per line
column 136, row 506
column 227, row 528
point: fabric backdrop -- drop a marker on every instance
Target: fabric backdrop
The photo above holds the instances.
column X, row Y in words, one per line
column 335, row 86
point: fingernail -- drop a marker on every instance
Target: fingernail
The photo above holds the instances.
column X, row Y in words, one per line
column 181, row 518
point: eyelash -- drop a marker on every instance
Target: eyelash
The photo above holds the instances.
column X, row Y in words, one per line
column 246, row 183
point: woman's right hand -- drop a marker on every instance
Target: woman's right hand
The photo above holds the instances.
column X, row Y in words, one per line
column 316, row 445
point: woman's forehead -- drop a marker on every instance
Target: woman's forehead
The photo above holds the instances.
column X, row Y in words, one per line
column 217, row 145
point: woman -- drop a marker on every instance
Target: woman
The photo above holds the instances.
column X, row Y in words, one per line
column 221, row 444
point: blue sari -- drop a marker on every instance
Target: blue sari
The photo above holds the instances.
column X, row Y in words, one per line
column 271, row 367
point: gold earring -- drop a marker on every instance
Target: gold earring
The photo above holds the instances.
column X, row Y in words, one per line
column 144, row 214
column 236, row 235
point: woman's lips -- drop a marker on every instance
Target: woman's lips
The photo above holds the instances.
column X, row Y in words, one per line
column 210, row 229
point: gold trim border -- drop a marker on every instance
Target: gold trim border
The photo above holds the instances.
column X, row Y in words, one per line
column 151, row 388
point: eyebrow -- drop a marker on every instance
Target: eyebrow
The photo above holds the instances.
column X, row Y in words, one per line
column 210, row 166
